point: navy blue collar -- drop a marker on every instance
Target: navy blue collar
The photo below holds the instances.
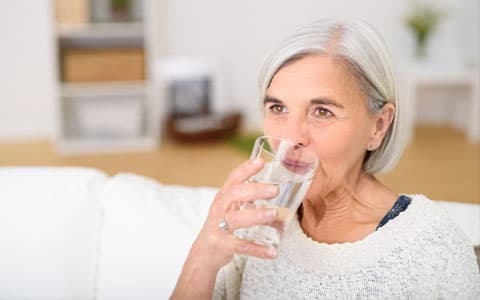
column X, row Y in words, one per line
column 400, row 205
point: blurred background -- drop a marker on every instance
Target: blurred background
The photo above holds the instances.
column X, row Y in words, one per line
column 167, row 89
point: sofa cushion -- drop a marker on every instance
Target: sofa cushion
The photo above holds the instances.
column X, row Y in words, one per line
column 49, row 226
column 148, row 229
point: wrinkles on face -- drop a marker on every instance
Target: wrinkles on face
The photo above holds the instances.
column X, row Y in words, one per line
column 317, row 101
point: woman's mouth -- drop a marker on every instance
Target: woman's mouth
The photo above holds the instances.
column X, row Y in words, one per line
column 297, row 166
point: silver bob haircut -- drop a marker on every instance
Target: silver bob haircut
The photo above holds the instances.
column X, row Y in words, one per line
column 361, row 47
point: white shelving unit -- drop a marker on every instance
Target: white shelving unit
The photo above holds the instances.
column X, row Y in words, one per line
column 101, row 30
column 82, row 106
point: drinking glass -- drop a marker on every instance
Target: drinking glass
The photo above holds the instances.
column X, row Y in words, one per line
column 291, row 166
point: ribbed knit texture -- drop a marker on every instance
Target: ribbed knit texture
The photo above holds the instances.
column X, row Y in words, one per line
column 420, row 254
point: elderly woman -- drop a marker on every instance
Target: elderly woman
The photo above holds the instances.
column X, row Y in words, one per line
column 330, row 87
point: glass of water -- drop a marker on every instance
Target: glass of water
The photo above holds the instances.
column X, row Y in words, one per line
column 291, row 166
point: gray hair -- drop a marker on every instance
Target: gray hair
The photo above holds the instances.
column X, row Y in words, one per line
column 358, row 44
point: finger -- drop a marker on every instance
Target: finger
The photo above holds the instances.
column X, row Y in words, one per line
column 244, row 247
column 244, row 171
column 250, row 217
column 248, row 192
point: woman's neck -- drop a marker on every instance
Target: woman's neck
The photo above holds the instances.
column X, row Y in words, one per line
column 347, row 214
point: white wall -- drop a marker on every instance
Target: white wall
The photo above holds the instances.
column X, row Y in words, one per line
column 27, row 85
column 469, row 14
column 238, row 35
column 235, row 35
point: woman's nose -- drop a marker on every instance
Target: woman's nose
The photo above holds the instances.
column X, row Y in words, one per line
column 296, row 130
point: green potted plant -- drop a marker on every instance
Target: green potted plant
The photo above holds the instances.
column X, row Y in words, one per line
column 422, row 20
column 120, row 9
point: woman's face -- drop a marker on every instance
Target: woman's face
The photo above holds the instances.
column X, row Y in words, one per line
column 316, row 101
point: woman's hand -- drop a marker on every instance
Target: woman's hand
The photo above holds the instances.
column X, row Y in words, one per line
column 215, row 247
column 220, row 245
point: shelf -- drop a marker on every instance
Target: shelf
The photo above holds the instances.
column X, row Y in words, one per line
column 126, row 88
column 103, row 82
column 434, row 74
column 70, row 146
column 101, row 30
column 416, row 77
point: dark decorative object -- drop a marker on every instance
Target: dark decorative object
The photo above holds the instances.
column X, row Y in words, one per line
column 190, row 97
column 204, row 128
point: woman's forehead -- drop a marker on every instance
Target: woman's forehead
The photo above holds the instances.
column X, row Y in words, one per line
column 315, row 76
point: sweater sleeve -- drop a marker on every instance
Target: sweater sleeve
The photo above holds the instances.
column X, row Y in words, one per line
column 461, row 278
column 229, row 279
column 219, row 292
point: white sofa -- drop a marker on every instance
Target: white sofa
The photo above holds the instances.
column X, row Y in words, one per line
column 75, row 233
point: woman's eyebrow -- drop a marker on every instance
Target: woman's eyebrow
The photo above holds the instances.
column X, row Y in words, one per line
column 321, row 101
column 326, row 101
column 269, row 99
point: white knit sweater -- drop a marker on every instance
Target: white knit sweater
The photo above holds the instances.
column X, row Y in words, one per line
column 420, row 254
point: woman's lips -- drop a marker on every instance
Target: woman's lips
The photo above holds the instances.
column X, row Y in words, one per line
column 297, row 166
column 295, row 163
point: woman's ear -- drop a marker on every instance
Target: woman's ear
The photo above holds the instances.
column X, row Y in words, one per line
column 383, row 121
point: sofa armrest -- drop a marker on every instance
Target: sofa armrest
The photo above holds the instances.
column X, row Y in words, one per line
column 147, row 233
column 49, row 227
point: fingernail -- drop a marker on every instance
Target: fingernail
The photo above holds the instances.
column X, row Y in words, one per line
column 271, row 212
column 272, row 252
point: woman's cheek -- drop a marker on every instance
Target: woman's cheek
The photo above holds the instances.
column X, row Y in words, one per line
column 271, row 129
column 330, row 152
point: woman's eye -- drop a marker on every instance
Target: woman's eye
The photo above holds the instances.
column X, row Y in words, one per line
column 277, row 109
column 321, row 112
